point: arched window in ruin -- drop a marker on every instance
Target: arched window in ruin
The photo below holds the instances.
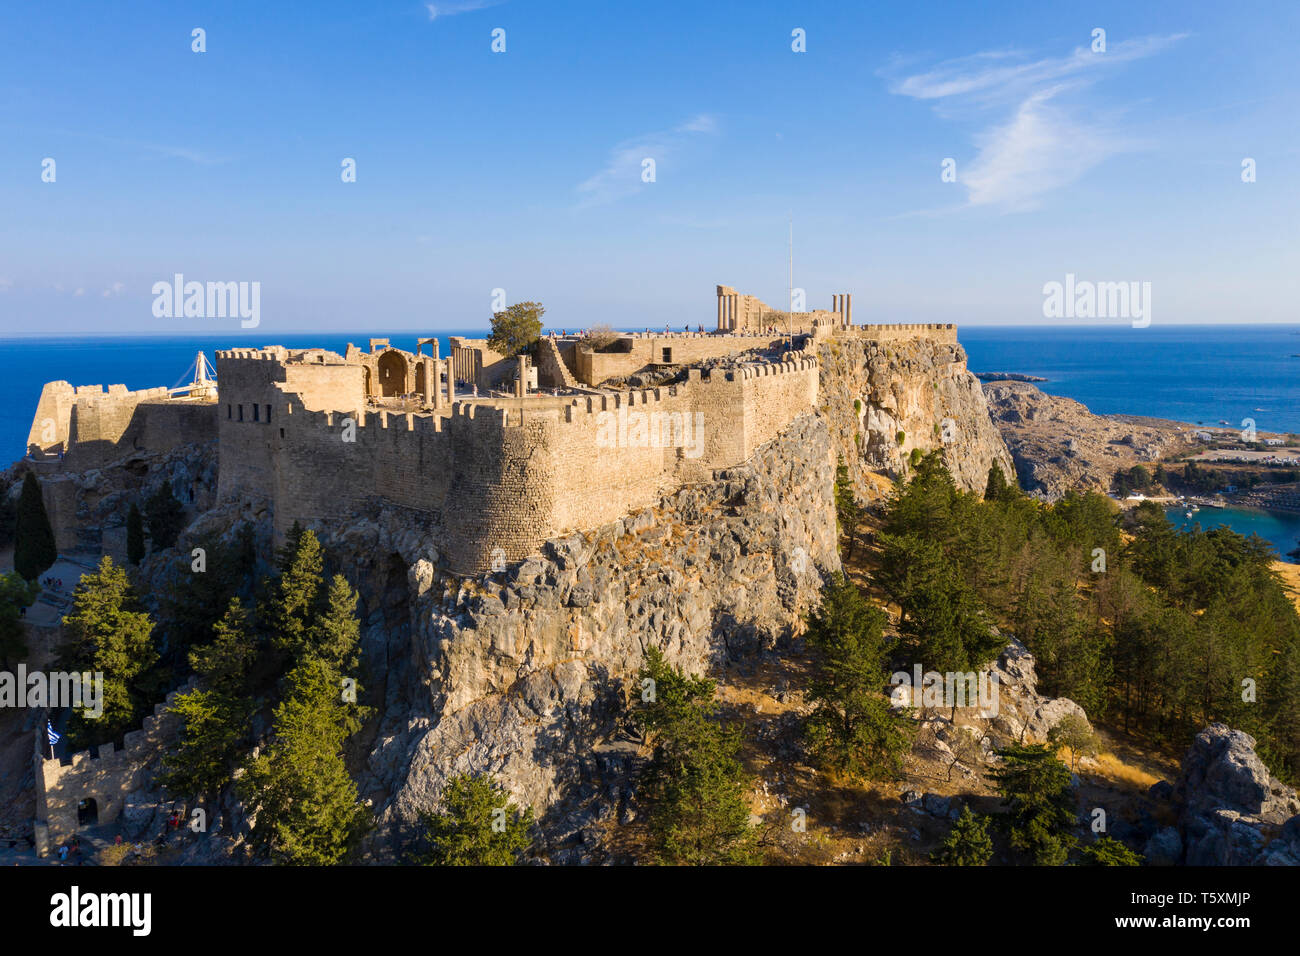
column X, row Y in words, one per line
column 370, row 388
column 419, row 378
column 392, row 373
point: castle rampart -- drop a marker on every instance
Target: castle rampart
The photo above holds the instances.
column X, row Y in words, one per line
column 317, row 435
column 492, row 474
column 88, row 426
column 106, row 778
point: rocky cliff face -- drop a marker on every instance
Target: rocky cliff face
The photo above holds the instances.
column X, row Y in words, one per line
column 873, row 391
column 525, row 674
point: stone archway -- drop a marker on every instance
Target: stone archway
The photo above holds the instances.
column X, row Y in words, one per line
column 419, row 378
column 392, row 373
column 87, row 812
column 370, row 387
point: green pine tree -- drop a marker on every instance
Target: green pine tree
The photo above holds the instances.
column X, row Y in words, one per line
column 134, row 535
column 214, row 716
column 1035, row 787
column 295, row 601
column 213, row 726
column 1108, row 851
column 336, row 635
column 477, row 826
column 15, row 595
column 306, row 803
column 107, row 631
column 694, row 784
column 34, row 549
column 853, row 729
column 968, row 842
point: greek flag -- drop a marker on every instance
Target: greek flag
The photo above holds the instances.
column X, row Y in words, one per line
column 49, row 731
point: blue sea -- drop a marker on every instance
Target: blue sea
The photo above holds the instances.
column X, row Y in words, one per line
column 1198, row 374
column 1204, row 374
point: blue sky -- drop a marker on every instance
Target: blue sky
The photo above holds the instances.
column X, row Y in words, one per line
column 522, row 170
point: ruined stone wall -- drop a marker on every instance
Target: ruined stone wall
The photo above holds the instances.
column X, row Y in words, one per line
column 473, row 361
column 106, row 777
column 641, row 350
column 93, row 427
column 929, row 331
column 523, row 673
column 494, row 476
column 52, row 424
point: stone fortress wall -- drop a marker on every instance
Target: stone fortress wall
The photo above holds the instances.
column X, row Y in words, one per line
column 498, row 476
column 107, row 777
column 317, row 435
column 91, row 427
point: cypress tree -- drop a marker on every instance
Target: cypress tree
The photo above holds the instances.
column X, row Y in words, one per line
column 34, row 550
column 134, row 535
column 165, row 517
column 997, row 487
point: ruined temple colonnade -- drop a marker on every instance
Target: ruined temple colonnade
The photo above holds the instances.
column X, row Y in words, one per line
column 843, row 306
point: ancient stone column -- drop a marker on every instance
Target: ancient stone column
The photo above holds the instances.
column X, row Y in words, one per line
column 735, row 311
column 430, row 369
column 848, row 309
column 451, row 380
column 719, row 311
column 521, row 387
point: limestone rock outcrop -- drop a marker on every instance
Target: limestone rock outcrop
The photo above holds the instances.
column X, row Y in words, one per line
column 1233, row 811
column 872, row 392
column 525, row 673
column 1059, row 445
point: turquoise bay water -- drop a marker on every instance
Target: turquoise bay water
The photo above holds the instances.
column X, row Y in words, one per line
column 1280, row 529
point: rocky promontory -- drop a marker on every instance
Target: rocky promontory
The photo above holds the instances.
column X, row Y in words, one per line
column 1060, row 446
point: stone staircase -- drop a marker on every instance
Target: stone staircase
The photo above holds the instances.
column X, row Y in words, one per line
column 549, row 348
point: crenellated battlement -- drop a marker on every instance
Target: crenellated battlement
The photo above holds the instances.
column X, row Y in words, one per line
column 105, row 777
column 493, row 473
column 317, row 435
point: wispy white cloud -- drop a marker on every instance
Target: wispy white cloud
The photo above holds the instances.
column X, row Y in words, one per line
column 116, row 289
column 453, row 7
column 1049, row 139
column 6, row 284
column 622, row 173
